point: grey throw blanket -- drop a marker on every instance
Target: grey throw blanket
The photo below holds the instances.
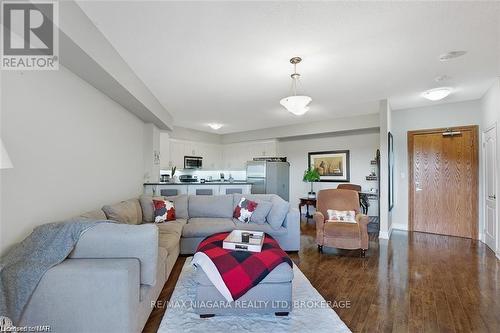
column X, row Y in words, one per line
column 22, row 268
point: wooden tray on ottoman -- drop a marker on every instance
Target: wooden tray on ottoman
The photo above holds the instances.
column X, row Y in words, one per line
column 233, row 241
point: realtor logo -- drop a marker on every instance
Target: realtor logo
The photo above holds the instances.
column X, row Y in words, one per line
column 30, row 39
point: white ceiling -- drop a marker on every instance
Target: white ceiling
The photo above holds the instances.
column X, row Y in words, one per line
column 227, row 62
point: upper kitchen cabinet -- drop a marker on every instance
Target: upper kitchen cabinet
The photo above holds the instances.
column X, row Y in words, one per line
column 236, row 155
column 233, row 156
column 177, row 150
column 211, row 153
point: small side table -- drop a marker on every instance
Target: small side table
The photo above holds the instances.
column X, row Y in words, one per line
column 307, row 202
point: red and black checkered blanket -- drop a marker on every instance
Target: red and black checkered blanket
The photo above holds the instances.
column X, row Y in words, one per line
column 242, row 270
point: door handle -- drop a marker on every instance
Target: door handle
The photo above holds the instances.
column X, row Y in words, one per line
column 492, row 196
column 418, row 189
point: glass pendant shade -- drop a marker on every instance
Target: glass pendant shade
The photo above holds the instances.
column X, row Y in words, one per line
column 296, row 104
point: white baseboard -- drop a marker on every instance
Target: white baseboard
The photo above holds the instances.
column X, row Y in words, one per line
column 400, row 226
column 385, row 234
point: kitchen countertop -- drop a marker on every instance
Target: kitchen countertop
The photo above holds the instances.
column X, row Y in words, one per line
column 236, row 182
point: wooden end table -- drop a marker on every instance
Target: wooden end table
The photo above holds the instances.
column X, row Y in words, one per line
column 307, row 202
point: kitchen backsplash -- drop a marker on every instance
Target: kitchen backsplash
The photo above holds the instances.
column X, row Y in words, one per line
column 215, row 174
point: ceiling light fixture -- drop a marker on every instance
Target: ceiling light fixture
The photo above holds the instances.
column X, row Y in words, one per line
column 296, row 104
column 215, row 126
column 437, row 93
column 451, row 55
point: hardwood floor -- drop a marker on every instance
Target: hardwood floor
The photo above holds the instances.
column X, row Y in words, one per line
column 416, row 282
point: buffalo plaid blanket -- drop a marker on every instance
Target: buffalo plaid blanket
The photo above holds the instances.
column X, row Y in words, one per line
column 242, row 270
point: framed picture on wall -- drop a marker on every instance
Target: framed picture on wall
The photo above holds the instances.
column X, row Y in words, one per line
column 333, row 166
column 390, row 148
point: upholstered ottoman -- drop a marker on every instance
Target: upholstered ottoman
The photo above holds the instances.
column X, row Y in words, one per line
column 272, row 295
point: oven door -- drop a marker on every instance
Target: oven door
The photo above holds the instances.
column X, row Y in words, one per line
column 192, row 162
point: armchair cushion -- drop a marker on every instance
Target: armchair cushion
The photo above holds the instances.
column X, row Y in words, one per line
column 336, row 229
column 341, row 215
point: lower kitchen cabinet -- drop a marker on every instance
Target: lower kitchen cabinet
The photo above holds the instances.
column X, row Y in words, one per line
column 196, row 189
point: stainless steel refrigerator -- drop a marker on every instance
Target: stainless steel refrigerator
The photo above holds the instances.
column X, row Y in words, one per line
column 269, row 178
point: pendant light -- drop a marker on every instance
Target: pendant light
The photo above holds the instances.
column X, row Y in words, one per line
column 296, row 104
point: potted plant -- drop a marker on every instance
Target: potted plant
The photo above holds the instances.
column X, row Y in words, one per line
column 311, row 175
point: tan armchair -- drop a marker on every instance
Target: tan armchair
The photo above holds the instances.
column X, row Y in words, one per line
column 340, row 234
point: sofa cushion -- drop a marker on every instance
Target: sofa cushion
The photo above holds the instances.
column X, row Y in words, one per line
column 171, row 227
column 210, row 206
column 169, row 241
column 94, row 215
column 180, row 203
column 259, row 216
column 266, row 227
column 244, row 211
column 164, row 210
column 128, row 212
column 278, row 212
column 202, row 226
column 254, row 197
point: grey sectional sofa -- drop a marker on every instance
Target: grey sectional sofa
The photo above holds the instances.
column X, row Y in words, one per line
column 117, row 270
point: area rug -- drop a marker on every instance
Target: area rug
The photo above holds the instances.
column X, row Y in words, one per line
column 310, row 314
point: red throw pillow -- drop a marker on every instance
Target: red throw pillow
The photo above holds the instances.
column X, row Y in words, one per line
column 164, row 210
column 244, row 210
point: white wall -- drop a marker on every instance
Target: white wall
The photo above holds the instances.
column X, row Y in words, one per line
column 182, row 133
column 362, row 145
column 362, row 122
column 444, row 115
column 490, row 112
column 385, row 128
column 73, row 150
column 151, row 146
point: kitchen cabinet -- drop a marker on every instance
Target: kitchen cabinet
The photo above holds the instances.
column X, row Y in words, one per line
column 231, row 156
column 236, row 155
column 156, row 189
column 235, row 188
column 165, row 161
column 197, row 189
column 202, row 189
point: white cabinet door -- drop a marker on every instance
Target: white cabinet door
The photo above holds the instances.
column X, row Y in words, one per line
column 165, row 158
column 177, row 153
column 191, row 149
column 169, row 190
column 235, row 188
column 203, row 189
column 209, row 157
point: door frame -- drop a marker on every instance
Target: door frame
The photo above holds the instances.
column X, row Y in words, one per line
column 475, row 170
column 483, row 148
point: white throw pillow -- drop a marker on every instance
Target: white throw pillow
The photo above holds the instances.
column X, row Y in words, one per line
column 342, row 215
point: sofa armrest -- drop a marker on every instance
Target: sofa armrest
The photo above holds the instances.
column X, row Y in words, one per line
column 319, row 219
column 79, row 294
column 363, row 221
column 116, row 240
column 292, row 225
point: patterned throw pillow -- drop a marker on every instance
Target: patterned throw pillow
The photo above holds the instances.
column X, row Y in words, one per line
column 341, row 215
column 244, row 210
column 164, row 210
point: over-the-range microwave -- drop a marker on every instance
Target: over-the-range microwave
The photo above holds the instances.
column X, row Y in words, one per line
column 193, row 162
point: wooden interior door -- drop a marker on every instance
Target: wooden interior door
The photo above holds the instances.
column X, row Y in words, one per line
column 443, row 181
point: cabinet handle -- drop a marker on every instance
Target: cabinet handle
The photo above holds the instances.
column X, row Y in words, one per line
column 492, row 196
